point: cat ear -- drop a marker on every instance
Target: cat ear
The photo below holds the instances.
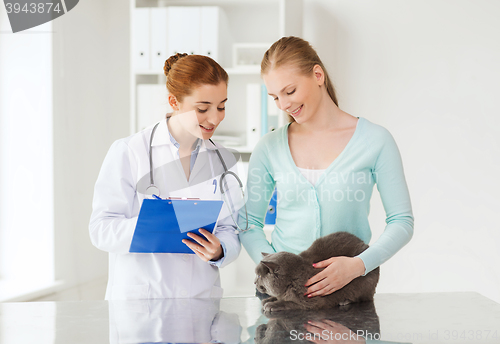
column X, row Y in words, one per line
column 273, row 267
column 264, row 254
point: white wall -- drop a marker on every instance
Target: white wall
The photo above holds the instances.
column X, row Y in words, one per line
column 26, row 157
column 91, row 110
column 428, row 71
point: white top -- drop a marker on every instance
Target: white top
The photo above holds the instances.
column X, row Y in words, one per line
column 311, row 175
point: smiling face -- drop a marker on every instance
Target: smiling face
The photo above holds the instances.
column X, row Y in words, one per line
column 202, row 111
column 297, row 94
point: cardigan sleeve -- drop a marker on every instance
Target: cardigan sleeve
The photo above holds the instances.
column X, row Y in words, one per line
column 389, row 176
column 259, row 190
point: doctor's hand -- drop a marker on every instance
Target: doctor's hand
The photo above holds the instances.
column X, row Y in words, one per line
column 338, row 272
column 207, row 249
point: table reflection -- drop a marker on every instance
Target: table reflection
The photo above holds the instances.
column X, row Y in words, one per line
column 172, row 320
column 355, row 323
column 430, row 318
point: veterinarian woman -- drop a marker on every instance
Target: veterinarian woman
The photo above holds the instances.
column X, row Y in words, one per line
column 185, row 164
column 324, row 165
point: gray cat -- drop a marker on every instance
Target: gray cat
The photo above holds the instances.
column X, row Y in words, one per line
column 283, row 275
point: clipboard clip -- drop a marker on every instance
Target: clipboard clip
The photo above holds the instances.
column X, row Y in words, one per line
column 174, row 198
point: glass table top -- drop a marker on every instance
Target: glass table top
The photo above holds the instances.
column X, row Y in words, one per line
column 392, row 318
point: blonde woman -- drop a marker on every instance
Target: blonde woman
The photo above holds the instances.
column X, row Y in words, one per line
column 324, row 164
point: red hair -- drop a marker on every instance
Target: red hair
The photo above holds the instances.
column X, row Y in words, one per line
column 186, row 72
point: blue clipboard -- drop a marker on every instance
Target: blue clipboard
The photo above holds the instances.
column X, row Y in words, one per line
column 163, row 223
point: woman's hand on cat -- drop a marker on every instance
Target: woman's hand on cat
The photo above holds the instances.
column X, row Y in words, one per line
column 338, row 272
column 209, row 249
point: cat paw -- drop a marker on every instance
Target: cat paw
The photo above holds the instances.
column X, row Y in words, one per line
column 267, row 308
column 269, row 299
column 278, row 306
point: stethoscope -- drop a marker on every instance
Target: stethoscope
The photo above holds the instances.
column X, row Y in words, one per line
column 153, row 190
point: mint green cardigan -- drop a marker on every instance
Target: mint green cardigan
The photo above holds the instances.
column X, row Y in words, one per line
column 340, row 200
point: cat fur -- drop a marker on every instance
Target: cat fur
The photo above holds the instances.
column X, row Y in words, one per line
column 283, row 276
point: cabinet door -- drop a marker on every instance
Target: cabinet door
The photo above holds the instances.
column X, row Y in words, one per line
column 141, row 44
column 254, row 116
column 210, row 32
column 159, row 18
column 184, row 25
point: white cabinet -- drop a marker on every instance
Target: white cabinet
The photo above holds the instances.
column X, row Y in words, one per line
column 217, row 29
column 253, row 130
column 210, row 26
column 140, row 39
column 184, row 34
column 159, row 32
column 158, row 37
column 152, row 104
column 149, row 43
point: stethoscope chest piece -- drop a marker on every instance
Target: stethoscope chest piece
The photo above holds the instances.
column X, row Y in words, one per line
column 152, row 190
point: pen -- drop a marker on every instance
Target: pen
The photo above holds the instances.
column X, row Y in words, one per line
column 156, row 197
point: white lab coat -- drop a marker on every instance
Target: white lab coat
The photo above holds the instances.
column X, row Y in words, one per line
column 118, row 195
